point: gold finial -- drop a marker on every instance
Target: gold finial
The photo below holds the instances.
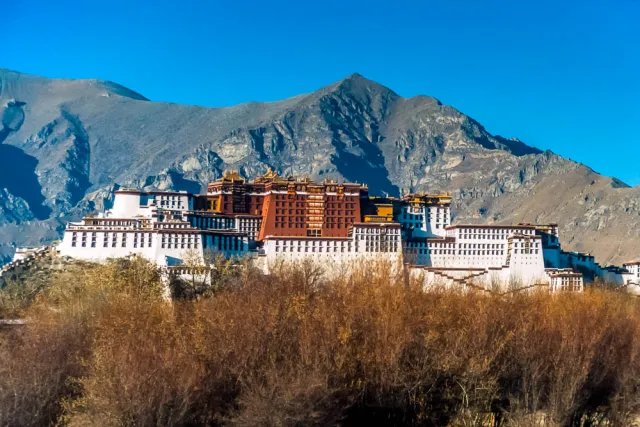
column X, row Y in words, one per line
column 271, row 174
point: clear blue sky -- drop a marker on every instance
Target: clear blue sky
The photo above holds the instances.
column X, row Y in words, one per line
column 560, row 75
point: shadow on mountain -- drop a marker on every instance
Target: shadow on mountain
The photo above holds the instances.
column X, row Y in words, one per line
column 4, row 133
column 180, row 183
column 18, row 176
column 513, row 146
column 355, row 168
column 77, row 186
column 517, row 147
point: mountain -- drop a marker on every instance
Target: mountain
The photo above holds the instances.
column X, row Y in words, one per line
column 65, row 144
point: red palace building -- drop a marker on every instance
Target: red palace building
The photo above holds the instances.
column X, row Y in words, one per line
column 288, row 206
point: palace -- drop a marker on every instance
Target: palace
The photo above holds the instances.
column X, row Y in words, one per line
column 273, row 218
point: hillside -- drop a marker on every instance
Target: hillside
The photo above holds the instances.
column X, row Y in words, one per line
column 64, row 144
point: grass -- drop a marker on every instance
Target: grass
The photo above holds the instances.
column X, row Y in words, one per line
column 103, row 348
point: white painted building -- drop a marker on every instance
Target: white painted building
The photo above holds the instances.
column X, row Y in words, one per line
column 367, row 241
column 634, row 272
column 160, row 227
column 508, row 256
column 565, row 279
column 425, row 216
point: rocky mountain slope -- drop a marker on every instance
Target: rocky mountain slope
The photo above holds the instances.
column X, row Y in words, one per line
column 64, row 144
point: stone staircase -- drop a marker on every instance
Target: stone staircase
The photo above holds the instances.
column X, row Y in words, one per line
column 466, row 280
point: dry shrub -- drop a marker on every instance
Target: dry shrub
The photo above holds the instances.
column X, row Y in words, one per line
column 15, row 297
column 44, row 362
column 142, row 370
column 39, row 371
column 297, row 348
column 287, row 399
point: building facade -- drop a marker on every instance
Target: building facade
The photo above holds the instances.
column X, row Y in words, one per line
column 288, row 206
column 159, row 226
column 275, row 219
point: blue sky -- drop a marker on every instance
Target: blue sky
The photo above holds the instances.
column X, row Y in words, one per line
column 559, row 75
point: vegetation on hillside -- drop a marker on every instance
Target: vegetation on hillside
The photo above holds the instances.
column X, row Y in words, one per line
column 102, row 347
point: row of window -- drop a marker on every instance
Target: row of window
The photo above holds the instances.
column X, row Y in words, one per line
column 110, row 239
column 168, row 225
column 378, row 237
column 568, row 284
column 393, row 247
column 312, row 249
column 526, row 244
column 302, row 225
column 431, row 244
column 376, row 230
column 220, row 223
column 492, row 231
column 302, row 212
column 485, row 237
column 454, row 252
column 112, row 223
column 425, row 251
column 314, row 243
column 228, row 243
column 320, row 195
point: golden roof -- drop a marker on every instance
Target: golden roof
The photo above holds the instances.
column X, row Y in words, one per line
column 271, row 174
column 232, row 176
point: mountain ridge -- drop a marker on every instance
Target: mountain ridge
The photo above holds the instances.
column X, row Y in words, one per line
column 73, row 141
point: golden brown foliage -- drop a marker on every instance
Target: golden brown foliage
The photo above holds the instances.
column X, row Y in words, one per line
column 293, row 349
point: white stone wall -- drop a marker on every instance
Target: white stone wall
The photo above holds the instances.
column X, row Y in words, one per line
column 126, row 205
column 368, row 242
column 527, row 261
column 130, row 203
column 487, row 256
column 469, row 247
column 376, row 239
column 425, row 220
column 499, row 280
column 161, row 247
column 91, row 245
column 633, row 278
column 566, row 283
column 634, row 272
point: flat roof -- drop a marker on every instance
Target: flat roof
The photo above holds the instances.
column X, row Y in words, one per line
column 469, row 269
column 448, row 239
column 565, row 274
column 377, row 224
column 508, row 226
column 307, row 238
column 525, row 236
column 154, row 193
